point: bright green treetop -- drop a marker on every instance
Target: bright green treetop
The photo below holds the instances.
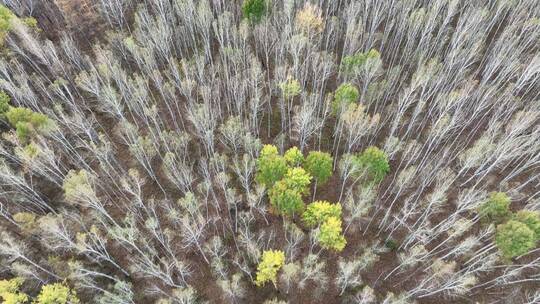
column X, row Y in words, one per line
column 318, row 212
column 319, row 165
column 531, row 219
column 496, row 208
column 254, row 10
column 56, row 293
column 27, row 122
column 19, row 114
column 270, row 166
column 9, row 291
column 285, row 200
column 269, row 151
column 6, row 17
column 270, row 264
column 4, row 102
column 514, row 238
column 375, row 163
column 345, row 95
column 329, row 236
column 297, row 179
column 294, row 157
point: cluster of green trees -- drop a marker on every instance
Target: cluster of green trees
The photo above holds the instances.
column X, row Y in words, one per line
column 518, row 232
column 26, row 122
column 55, row 293
column 161, row 127
column 327, row 217
column 289, row 178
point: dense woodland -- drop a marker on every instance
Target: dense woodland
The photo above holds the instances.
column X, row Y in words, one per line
column 269, row 151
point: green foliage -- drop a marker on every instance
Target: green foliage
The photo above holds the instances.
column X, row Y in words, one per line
column 329, row 236
column 374, row 162
column 514, row 238
column 5, row 22
column 4, row 103
column 496, row 208
column 290, row 88
column 294, row 156
column 18, row 114
column 352, row 63
column 27, row 122
column 56, row 293
column 270, row 264
column 285, row 200
column 298, row 180
column 318, row 212
column 270, row 166
column 31, row 22
column 345, row 95
column 319, row 165
column 269, row 151
column 9, row 291
column 23, row 130
column 254, row 10
column 531, row 219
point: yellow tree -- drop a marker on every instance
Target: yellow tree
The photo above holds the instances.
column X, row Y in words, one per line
column 271, row 263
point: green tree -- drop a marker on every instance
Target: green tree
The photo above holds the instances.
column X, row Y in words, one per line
column 56, row 293
column 351, row 64
column 270, row 264
column 270, row 166
column 514, row 238
column 496, row 208
column 374, row 162
column 329, row 236
column 284, row 200
column 254, row 10
column 319, row 165
column 290, row 88
column 297, row 179
column 531, row 219
column 27, row 122
column 6, row 17
column 294, row 157
column 345, row 95
column 9, row 291
column 4, row 103
column 318, row 212
column 31, row 22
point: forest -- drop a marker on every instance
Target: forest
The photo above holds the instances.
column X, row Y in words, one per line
column 269, row 151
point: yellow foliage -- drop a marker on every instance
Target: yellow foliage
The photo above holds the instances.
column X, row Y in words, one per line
column 310, row 19
column 56, row 293
column 9, row 291
column 330, row 236
column 271, row 263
